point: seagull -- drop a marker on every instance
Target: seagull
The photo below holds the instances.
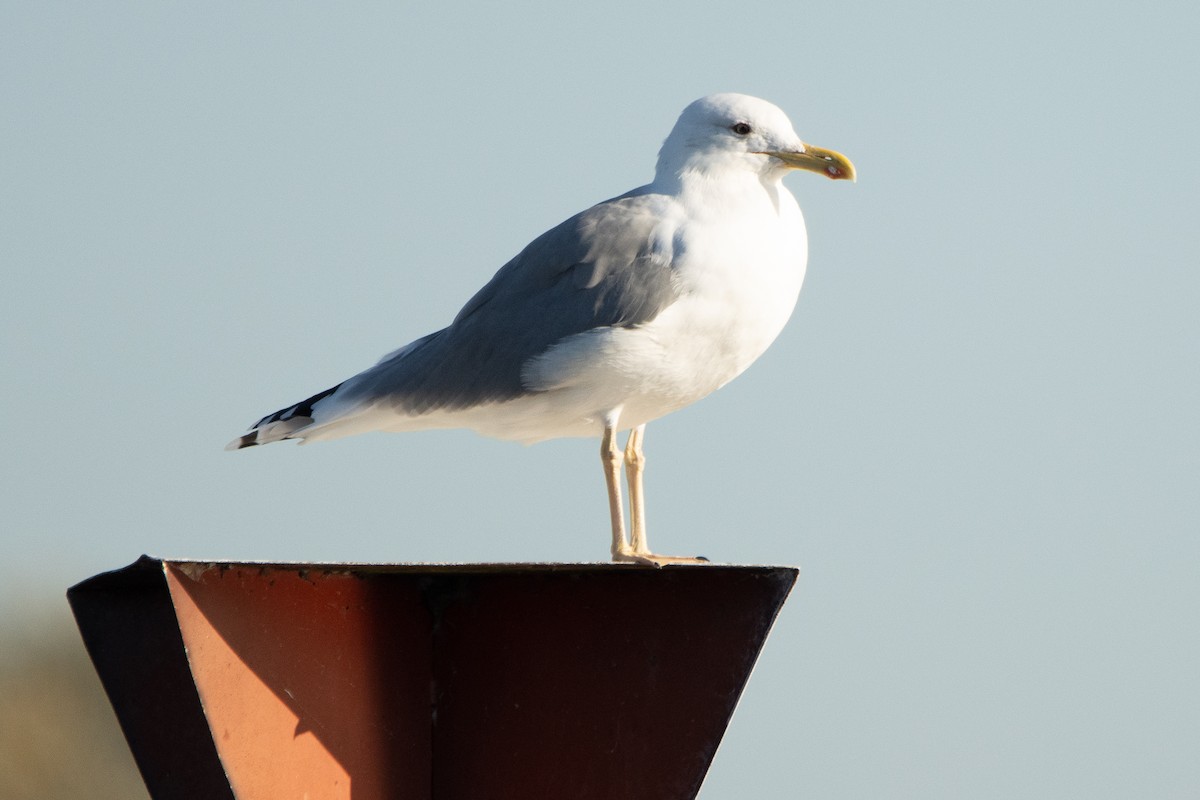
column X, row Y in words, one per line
column 632, row 309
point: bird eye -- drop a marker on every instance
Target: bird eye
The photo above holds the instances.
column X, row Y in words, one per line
column 741, row 129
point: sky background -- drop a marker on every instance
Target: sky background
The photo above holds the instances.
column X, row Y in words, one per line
column 977, row 437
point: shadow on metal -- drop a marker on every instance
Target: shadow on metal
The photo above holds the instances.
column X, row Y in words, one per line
column 457, row 682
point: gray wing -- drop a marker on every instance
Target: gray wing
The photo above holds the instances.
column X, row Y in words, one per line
column 594, row 270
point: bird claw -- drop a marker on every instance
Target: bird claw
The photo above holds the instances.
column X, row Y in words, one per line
column 654, row 560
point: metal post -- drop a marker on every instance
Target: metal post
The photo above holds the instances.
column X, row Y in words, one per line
column 460, row 682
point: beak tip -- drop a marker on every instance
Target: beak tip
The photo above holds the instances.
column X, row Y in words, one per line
column 830, row 163
column 843, row 171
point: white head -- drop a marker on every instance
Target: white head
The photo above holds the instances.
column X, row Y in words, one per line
column 739, row 132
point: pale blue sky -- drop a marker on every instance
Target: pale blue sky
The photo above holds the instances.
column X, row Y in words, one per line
column 978, row 436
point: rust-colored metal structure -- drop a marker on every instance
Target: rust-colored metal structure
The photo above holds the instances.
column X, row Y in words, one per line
column 419, row 682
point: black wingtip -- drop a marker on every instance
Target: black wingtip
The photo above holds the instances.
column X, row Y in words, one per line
column 248, row 440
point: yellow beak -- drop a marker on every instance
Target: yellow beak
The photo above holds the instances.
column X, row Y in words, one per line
column 816, row 159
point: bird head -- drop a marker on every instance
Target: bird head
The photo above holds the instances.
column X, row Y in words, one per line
column 736, row 131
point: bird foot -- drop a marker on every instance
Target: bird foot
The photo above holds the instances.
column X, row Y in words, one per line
column 655, row 560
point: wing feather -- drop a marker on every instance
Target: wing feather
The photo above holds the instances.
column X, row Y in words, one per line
column 600, row 268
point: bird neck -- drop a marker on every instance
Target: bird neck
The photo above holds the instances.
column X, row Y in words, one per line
column 722, row 191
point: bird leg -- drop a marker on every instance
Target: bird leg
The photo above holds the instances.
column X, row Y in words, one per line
column 610, row 459
column 635, row 462
column 636, row 551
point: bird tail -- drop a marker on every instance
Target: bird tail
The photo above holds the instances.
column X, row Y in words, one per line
column 284, row 423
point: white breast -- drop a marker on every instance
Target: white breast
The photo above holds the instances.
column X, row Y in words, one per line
column 738, row 274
